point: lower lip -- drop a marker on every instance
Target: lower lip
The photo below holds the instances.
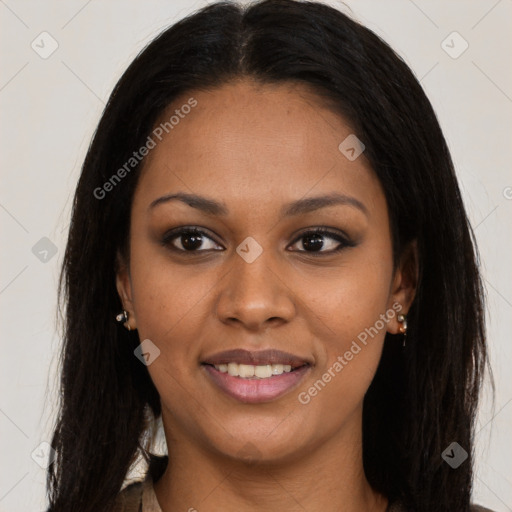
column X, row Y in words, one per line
column 255, row 391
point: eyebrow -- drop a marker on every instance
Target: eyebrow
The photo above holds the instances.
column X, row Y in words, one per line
column 301, row 206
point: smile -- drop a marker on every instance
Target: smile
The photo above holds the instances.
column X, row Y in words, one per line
column 254, row 389
column 249, row 371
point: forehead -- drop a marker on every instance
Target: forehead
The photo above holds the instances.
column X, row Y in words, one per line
column 254, row 144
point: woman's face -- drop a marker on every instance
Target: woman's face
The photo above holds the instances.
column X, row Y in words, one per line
column 258, row 160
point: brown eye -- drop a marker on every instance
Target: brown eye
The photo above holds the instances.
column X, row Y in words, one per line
column 189, row 240
column 322, row 241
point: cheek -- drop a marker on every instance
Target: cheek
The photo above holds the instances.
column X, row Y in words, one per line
column 170, row 306
column 352, row 330
column 169, row 301
column 353, row 296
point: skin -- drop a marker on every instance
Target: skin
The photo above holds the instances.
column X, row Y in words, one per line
column 256, row 148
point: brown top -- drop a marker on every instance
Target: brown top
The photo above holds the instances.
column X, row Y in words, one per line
column 140, row 497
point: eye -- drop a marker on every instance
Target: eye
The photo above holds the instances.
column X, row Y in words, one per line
column 318, row 241
column 323, row 241
column 189, row 239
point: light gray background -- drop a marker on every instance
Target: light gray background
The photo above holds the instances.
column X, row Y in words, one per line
column 50, row 108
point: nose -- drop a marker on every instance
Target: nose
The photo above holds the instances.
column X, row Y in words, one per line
column 255, row 295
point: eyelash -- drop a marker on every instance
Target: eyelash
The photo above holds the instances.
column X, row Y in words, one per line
column 176, row 233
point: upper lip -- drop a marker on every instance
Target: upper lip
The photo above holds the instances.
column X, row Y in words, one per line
column 262, row 357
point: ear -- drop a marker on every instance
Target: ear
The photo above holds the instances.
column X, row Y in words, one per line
column 404, row 286
column 124, row 289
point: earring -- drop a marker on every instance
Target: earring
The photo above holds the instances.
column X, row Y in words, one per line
column 403, row 327
column 123, row 318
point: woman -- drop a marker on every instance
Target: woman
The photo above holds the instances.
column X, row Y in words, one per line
column 269, row 251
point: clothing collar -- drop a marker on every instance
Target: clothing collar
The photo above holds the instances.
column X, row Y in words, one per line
column 149, row 500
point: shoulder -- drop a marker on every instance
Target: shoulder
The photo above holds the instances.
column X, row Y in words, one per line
column 130, row 498
column 478, row 508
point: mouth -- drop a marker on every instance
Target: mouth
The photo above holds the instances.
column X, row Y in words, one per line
column 256, row 377
column 250, row 371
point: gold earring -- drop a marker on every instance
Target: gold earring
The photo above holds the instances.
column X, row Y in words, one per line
column 402, row 318
column 123, row 318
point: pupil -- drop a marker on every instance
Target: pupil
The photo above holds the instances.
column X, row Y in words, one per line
column 315, row 242
column 195, row 241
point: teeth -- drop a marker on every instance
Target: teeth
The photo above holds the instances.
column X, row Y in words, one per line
column 249, row 371
column 263, row 372
column 245, row 370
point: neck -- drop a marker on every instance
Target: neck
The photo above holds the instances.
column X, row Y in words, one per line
column 329, row 477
